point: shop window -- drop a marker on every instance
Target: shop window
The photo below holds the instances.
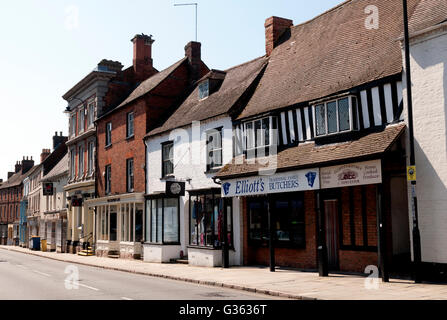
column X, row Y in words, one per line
column 214, row 149
column 163, row 218
column 335, row 116
column 167, row 158
column 288, row 212
column 206, row 218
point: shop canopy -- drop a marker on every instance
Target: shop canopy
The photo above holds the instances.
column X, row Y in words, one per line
column 309, row 155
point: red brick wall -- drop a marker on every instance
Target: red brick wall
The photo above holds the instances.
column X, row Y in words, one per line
column 356, row 261
column 298, row 258
column 122, row 149
column 8, row 204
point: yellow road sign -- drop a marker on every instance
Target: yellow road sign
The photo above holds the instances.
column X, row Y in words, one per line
column 411, row 173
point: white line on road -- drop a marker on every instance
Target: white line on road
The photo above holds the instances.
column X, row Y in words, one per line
column 88, row 287
column 41, row 273
column 125, row 298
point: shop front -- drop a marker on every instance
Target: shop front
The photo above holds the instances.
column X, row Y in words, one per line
column 118, row 225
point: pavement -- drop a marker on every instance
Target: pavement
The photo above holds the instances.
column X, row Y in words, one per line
column 284, row 283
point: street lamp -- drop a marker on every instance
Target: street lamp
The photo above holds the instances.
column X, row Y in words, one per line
column 414, row 207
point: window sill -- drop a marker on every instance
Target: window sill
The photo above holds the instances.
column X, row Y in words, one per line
column 163, row 244
column 168, row 177
column 108, row 146
column 130, row 138
column 213, row 170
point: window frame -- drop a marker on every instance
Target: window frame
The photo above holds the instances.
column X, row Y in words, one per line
column 81, row 161
column 163, row 160
column 81, row 119
column 149, row 222
column 130, row 176
column 91, row 115
column 108, row 179
column 108, row 137
column 252, row 135
column 209, row 159
column 128, row 122
column 204, row 94
column 91, row 155
column 352, row 116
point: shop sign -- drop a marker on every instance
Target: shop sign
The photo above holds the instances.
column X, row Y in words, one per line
column 353, row 174
column 291, row 181
column 47, row 189
column 175, row 189
column 411, row 173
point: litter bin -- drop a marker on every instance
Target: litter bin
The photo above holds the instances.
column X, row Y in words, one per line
column 35, row 242
column 44, row 245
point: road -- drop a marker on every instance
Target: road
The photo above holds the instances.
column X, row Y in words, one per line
column 28, row 277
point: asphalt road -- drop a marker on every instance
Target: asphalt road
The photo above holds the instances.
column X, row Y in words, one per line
column 28, row 277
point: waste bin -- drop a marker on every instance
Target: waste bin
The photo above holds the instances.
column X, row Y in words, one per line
column 35, row 242
column 44, row 245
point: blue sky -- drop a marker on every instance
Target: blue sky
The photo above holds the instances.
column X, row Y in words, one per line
column 47, row 46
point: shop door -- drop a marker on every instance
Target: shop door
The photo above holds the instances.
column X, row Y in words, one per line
column 331, row 216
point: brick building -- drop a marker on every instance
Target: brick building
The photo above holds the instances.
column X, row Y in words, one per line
column 102, row 89
column 10, row 197
column 119, row 223
column 319, row 149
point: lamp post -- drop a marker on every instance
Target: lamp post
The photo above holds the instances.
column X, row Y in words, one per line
column 416, row 232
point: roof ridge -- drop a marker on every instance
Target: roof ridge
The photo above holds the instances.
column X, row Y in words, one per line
column 244, row 63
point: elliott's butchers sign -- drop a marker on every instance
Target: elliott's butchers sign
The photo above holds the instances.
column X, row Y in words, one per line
column 353, row 174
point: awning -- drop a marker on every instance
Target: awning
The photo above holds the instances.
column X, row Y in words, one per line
column 308, row 155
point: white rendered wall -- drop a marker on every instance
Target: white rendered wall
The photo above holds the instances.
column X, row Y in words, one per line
column 429, row 77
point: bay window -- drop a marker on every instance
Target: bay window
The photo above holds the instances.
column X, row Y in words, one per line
column 206, row 217
column 335, row 116
column 163, row 220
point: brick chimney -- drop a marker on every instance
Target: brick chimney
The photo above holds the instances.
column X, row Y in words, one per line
column 27, row 164
column 45, row 153
column 142, row 53
column 58, row 140
column 193, row 52
column 18, row 166
column 274, row 29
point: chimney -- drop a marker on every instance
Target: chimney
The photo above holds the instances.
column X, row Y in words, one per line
column 58, row 140
column 18, row 166
column 45, row 153
column 142, row 53
column 274, row 29
column 27, row 164
column 10, row 174
column 193, row 52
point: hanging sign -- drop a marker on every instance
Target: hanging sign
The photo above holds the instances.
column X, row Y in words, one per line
column 291, row 181
column 353, row 174
column 48, row 189
column 175, row 189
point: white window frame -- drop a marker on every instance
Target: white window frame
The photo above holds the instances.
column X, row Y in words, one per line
column 325, row 103
column 207, row 92
column 72, row 124
column 81, row 119
column 247, row 131
column 130, row 175
column 72, row 164
column 214, row 132
column 91, row 115
column 91, row 154
column 81, row 169
column 108, row 141
column 128, row 126
column 108, row 179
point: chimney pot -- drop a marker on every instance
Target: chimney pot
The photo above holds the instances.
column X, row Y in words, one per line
column 274, row 29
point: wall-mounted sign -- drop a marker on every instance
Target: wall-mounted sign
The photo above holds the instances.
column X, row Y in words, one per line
column 411, row 173
column 353, row 174
column 291, row 181
column 175, row 189
column 48, row 189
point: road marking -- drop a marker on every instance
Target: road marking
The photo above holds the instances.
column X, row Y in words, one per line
column 42, row 273
column 88, row 287
column 125, row 298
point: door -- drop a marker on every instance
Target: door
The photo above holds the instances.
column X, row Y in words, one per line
column 331, row 219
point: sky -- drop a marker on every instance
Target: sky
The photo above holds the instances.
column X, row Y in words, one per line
column 47, row 46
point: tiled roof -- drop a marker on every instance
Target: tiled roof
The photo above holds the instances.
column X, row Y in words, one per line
column 428, row 14
column 236, row 82
column 17, row 178
column 152, row 82
column 309, row 154
column 59, row 169
column 331, row 53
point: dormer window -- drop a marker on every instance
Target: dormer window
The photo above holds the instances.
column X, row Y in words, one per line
column 335, row 116
column 204, row 91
